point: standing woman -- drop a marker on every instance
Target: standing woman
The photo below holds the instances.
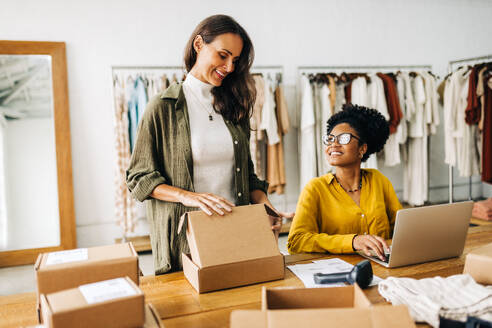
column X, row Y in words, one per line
column 192, row 148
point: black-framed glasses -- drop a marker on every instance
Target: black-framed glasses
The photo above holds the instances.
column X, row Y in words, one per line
column 342, row 138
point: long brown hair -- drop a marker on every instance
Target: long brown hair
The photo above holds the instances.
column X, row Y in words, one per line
column 235, row 98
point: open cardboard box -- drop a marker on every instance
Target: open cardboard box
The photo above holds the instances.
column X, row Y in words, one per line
column 110, row 303
column 320, row 307
column 479, row 264
column 82, row 266
column 233, row 250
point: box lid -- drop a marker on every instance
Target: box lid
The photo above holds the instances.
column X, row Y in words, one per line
column 244, row 234
column 74, row 298
column 85, row 255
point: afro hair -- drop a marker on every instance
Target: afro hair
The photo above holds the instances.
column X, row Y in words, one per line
column 371, row 126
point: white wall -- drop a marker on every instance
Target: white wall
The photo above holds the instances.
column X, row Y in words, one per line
column 351, row 32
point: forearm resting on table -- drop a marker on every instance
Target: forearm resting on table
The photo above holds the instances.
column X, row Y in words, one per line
column 310, row 242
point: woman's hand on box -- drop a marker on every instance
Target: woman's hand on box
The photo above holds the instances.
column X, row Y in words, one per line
column 207, row 202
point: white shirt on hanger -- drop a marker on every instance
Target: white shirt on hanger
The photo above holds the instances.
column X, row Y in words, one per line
column 307, row 154
column 268, row 116
column 211, row 142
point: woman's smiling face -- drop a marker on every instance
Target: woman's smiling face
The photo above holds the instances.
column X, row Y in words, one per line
column 217, row 59
column 345, row 155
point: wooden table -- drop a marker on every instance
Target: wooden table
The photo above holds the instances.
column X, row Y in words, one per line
column 180, row 306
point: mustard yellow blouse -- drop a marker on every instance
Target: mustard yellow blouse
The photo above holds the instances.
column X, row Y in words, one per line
column 327, row 219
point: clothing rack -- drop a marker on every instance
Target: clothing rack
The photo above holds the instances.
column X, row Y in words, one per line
column 302, row 70
column 452, row 67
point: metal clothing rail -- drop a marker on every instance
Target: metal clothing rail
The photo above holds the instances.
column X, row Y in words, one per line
column 364, row 68
column 451, row 67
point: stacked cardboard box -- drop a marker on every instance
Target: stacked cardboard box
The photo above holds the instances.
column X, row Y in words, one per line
column 112, row 271
column 232, row 250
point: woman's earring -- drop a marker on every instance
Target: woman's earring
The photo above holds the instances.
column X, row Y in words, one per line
column 361, row 155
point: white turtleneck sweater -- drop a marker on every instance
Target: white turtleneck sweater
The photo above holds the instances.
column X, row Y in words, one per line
column 211, row 142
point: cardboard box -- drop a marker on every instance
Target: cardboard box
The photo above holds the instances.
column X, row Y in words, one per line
column 313, row 298
column 232, row 250
column 479, row 264
column 85, row 265
column 68, row 269
column 110, row 303
column 320, row 307
column 384, row 316
column 152, row 318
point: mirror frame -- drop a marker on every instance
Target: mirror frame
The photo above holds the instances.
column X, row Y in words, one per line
column 62, row 144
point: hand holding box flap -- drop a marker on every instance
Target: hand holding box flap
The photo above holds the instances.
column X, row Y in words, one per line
column 479, row 264
column 106, row 290
column 245, row 234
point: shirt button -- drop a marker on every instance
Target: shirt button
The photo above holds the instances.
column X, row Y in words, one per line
column 235, row 142
column 238, row 169
column 239, row 194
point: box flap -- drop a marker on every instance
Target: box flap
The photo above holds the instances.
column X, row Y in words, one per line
column 244, row 234
column 152, row 319
column 313, row 298
column 248, row 319
column 95, row 254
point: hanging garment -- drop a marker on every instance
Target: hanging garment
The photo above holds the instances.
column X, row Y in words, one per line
column 415, row 168
column 431, row 102
column 392, row 147
column 137, row 100
column 377, row 101
column 333, row 93
column 480, row 94
column 340, row 96
column 348, row 92
column 326, row 112
column 472, row 111
column 453, row 120
column 275, row 153
column 359, row 92
column 401, row 130
column 268, row 119
column 318, row 128
column 487, row 130
column 467, row 156
column 307, row 153
column 257, row 134
column 125, row 204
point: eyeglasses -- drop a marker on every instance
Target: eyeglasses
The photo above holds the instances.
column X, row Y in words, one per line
column 342, row 139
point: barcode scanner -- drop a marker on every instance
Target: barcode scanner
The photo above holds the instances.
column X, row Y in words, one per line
column 360, row 274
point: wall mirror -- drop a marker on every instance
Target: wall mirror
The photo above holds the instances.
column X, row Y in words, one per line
column 36, row 191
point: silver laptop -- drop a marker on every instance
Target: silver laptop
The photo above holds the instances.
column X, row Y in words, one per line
column 429, row 233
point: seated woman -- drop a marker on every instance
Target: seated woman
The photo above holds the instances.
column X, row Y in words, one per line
column 353, row 209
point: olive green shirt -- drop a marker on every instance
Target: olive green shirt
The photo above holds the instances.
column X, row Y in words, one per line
column 162, row 155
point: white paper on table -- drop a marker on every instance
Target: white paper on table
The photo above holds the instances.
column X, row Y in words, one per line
column 107, row 290
column 73, row 255
column 305, row 272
